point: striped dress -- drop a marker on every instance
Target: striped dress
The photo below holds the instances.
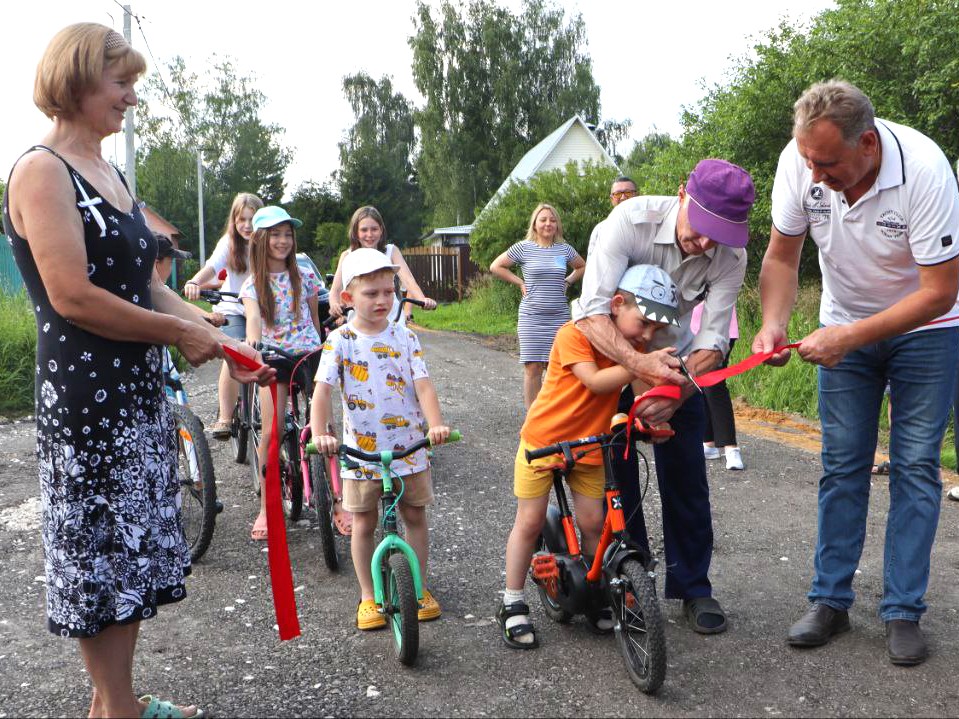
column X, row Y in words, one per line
column 544, row 309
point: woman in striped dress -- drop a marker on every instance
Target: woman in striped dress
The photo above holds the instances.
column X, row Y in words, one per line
column 544, row 258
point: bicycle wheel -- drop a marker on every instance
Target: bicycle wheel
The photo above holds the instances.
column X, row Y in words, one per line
column 402, row 609
column 553, row 610
column 323, row 506
column 639, row 627
column 254, row 440
column 197, row 482
column 291, row 479
column 239, row 426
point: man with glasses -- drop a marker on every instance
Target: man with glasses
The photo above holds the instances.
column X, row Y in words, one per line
column 880, row 202
column 698, row 238
column 623, row 188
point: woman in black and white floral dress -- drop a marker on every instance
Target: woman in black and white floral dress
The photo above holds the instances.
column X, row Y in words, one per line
column 106, row 450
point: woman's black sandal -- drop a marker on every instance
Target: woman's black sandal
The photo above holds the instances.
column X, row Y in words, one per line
column 511, row 634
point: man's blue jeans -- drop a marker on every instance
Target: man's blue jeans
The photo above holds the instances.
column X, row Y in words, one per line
column 921, row 370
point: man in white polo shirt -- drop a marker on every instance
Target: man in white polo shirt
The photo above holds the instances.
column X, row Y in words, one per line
column 881, row 203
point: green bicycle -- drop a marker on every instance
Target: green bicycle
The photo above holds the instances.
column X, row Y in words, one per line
column 397, row 583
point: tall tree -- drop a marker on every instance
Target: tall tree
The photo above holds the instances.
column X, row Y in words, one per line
column 495, row 83
column 375, row 156
column 909, row 76
column 315, row 204
column 219, row 113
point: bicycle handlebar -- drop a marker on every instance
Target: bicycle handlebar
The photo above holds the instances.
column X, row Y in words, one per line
column 455, row 436
column 644, row 433
column 399, row 310
column 217, row 296
column 532, row 454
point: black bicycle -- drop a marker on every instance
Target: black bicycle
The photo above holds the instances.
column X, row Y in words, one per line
column 198, row 503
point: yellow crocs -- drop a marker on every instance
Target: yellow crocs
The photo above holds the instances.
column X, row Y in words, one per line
column 429, row 607
column 368, row 616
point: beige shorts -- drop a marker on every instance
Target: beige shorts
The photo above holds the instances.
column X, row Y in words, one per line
column 363, row 495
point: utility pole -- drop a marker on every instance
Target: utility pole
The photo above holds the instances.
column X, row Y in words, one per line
column 199, row 197
column 131, row 159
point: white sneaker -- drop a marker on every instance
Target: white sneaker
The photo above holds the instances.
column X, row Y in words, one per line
column 953, row 494
column 734, row 458
column 711, row 452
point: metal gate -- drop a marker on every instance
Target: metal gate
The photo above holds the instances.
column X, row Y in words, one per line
column 10, row 281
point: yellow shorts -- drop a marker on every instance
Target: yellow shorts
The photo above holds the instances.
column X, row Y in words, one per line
column 588, row 480
column 363, row 495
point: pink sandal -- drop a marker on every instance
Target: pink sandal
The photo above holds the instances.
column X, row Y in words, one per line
column 258, row 533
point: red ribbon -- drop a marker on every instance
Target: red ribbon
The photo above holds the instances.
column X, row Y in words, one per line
column 278, row 554
column 672, row 391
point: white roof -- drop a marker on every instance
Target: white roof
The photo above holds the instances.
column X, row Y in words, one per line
column 455, row 230
column 541, row 157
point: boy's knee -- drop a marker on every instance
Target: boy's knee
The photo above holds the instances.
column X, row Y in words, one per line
column 413, row 517
column 529, row 525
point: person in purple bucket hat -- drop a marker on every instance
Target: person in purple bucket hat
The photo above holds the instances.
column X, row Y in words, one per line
column 698, row 237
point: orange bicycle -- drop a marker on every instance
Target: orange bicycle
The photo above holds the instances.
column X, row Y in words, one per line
column 620, row 577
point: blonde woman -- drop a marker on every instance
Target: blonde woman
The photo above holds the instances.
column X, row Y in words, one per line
column 106, row 444
column 232, row 255
column 544, row 258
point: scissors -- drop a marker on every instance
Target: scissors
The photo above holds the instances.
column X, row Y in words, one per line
column 686, row 373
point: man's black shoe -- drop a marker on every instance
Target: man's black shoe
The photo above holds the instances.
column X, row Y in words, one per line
column 818, row 626
column 906, row 645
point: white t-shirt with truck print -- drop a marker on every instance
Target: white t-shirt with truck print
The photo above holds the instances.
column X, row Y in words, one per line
column 375, row 375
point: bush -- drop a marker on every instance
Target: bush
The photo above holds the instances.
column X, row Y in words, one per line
column 18, row 353
column 791, row 388
column 580, row 195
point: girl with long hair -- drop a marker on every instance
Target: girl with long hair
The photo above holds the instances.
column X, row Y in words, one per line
column 232, row 257
column 281, row 303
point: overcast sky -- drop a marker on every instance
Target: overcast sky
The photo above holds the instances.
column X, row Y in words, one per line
column 649, row 58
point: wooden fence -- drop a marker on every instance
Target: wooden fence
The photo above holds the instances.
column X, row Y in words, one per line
column 442, row 272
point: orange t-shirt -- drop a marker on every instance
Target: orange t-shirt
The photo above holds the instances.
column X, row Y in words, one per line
column 565, row 409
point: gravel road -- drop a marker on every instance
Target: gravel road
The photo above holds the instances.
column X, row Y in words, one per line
column 219, row 649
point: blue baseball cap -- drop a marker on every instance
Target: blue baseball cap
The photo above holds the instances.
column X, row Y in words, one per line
column 655, row 293
column 271, row 216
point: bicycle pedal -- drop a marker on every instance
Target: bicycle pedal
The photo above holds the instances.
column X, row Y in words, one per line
column 546, row 572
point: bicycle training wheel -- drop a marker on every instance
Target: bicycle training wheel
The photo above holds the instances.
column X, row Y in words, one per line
column 197, row 482
column 402, row 608
column 323, row 506
column 239, row 429
column 639, row 627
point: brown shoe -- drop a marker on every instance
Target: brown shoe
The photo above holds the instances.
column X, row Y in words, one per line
column 818, row 626
column 905, row 643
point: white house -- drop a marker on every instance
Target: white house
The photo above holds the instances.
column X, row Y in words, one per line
column 573, row 141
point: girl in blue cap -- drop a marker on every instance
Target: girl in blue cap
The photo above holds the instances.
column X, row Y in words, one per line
column 281, row 306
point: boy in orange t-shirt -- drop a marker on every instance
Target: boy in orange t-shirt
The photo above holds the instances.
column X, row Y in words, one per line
column 579, row 395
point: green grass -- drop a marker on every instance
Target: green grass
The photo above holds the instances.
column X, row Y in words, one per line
column 490, row 309
column 18, row 353
column 791, row 388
